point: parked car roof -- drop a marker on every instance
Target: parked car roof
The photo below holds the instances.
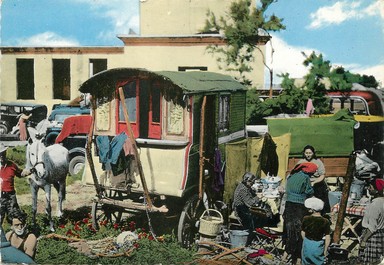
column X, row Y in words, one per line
column 61, row 111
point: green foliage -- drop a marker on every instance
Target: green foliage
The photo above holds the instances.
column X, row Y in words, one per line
column 156, row 252
column 293, row 99
column 241, row 28
column 17, row 155
column 255, row 108
column 51, row 251
column 146, row 250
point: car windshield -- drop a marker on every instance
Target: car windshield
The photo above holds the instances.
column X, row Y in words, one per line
column 61, row 117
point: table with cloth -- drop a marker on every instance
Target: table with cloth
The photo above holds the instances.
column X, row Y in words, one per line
column 353, row 217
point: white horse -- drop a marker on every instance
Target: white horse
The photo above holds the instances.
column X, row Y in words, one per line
column 48, row 165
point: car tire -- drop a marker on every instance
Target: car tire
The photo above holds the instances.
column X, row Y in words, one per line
column 3, row 128
column 76, row 164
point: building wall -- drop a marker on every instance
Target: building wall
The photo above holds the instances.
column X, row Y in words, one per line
column 43, row 76
column 177, row 17
column 169, row 53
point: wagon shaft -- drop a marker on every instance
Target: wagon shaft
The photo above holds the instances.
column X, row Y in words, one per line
column 133, row 205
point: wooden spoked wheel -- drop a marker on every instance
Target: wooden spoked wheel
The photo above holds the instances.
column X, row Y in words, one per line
column 104, row 213
column 188, row 228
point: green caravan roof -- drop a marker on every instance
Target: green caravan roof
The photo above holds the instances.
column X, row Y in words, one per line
column 104, row 83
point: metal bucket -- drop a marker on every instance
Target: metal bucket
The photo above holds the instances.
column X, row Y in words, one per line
column 357, row 188
column 238, row 238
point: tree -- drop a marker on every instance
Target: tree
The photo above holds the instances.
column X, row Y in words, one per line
column 321, row 77
column 244, row 28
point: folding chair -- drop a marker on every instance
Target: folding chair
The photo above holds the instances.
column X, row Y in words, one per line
column 268, row 239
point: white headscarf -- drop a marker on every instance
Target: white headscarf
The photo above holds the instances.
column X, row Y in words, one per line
column 314, row 204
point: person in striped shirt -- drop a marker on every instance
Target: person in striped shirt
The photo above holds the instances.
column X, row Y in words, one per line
column 298, row 189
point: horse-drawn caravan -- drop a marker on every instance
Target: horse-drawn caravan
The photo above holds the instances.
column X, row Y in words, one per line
column 159, row 141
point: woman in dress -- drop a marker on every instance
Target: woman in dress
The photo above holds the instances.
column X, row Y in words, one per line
column 318, row 178
column 372, row 238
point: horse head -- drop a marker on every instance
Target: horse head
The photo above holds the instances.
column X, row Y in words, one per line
column 35, row 152
column 36, row 149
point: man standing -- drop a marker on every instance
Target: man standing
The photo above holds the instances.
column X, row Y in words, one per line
column 8, row 172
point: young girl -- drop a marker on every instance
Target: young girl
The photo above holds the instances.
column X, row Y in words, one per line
column 314, row 229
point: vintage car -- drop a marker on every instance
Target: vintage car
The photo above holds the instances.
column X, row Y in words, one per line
column 10, row 113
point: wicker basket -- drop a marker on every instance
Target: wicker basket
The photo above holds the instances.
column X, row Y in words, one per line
column 209, row 224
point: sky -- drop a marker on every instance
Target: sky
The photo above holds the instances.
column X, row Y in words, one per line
column 348, row 33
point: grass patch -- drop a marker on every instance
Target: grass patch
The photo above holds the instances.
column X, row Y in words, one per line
column 75, row 224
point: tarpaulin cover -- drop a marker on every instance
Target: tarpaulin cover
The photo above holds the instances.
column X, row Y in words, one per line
column 78, row 124
column 251, row 151
column 331, row 136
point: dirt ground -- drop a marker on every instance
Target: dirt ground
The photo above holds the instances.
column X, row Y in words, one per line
column 78, row 195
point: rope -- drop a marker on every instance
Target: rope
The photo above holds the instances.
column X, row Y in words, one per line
column 149, row 221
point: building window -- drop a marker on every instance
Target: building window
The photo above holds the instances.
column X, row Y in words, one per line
column 96, row 66
column 192, row 68
column 25, row 79
column 61, row 79
column 224, row 113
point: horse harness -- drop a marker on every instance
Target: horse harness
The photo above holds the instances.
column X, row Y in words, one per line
column 33, row 169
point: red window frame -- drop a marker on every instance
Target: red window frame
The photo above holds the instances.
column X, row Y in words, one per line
column 121, row 124
column 154, row 127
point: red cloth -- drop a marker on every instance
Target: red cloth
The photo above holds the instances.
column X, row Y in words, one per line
column 22, row 129
column 379, row 184
column 128, row 147
column 74, row 125
column 7, row 175
column 309, row 110
column 306, row 167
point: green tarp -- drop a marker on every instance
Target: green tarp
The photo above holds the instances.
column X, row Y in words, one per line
column 331, row 136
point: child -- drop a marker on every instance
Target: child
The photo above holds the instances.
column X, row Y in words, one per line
column 314, row 229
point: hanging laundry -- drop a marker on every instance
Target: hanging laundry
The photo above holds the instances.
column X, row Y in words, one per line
column 218, row 182
column 109, row 152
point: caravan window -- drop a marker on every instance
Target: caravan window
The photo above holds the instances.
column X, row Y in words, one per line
column 130, row 101
column 224, row 113
column 354, row 104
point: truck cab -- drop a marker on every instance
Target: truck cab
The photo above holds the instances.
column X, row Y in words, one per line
column 74, row 142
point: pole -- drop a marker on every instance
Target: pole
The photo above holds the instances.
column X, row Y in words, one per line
column 201, row 148
column 344, row 199
column 137, row 155
column 89, row 151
